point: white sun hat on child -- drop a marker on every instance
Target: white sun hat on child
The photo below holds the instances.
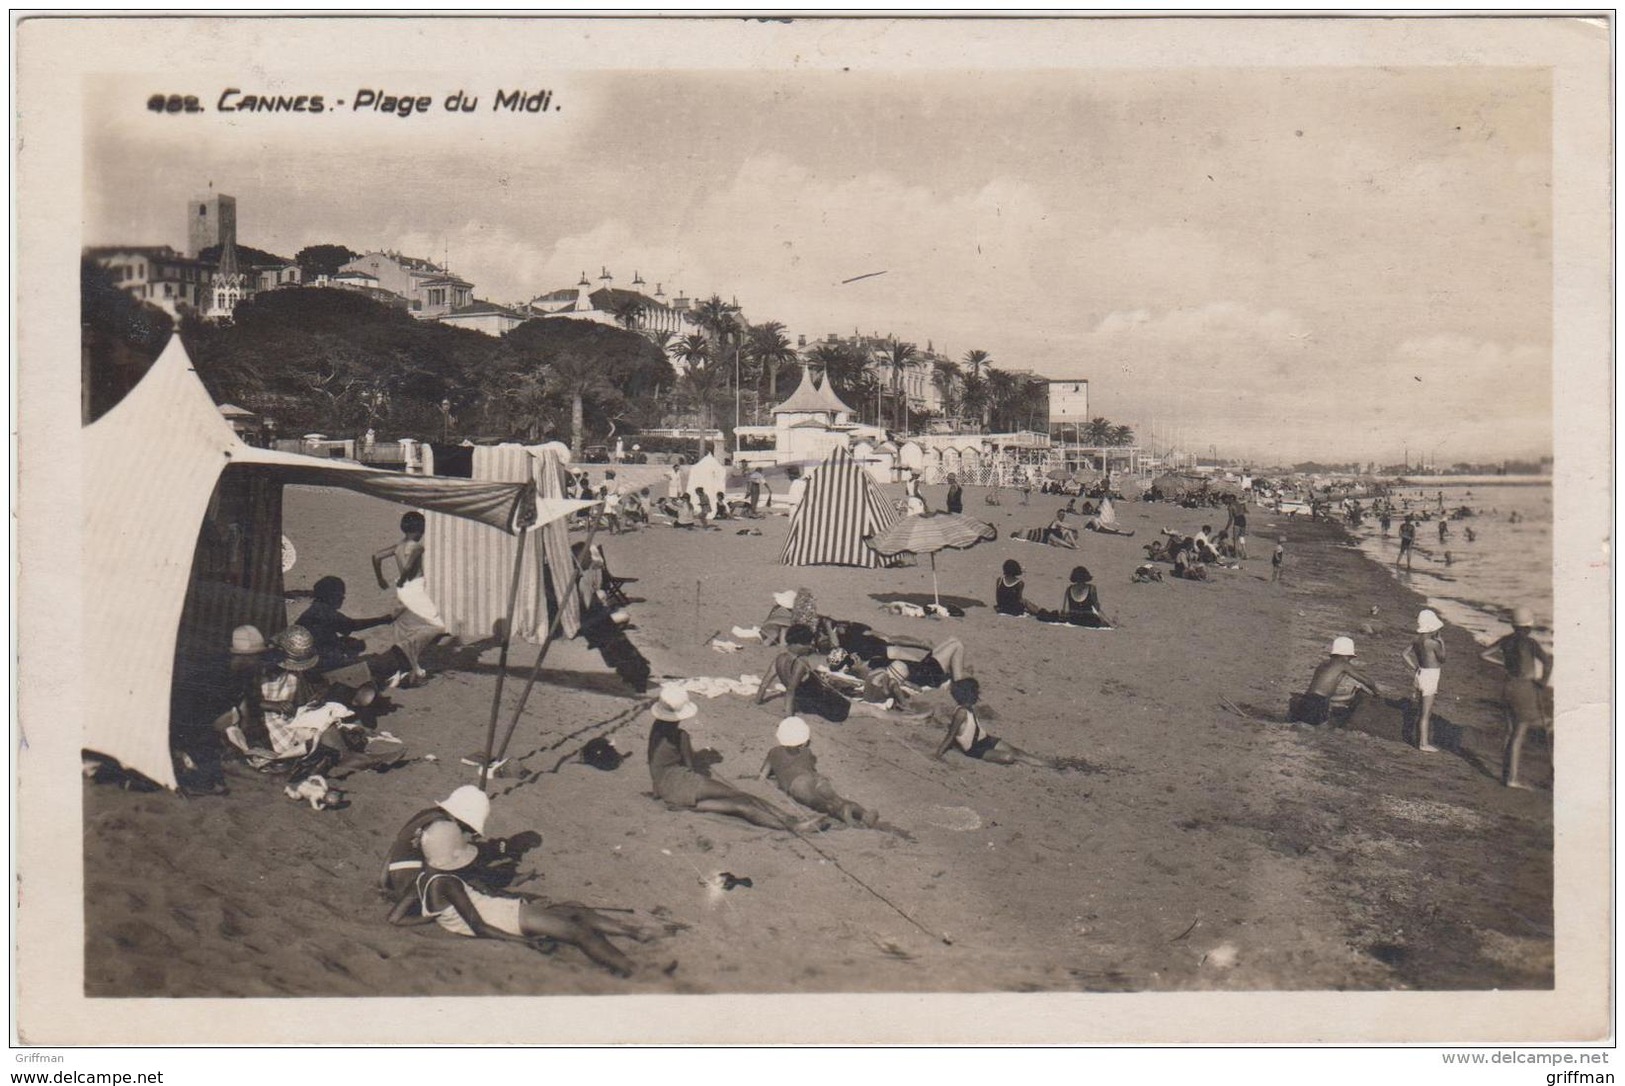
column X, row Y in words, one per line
column 793, row 732
column 445, row 848
column 468, row 805
column 1428, row 622
column 1343, row 646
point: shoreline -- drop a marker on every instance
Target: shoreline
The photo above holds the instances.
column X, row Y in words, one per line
column 1304, row 858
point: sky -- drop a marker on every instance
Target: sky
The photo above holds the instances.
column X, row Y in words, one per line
column 1284, row 264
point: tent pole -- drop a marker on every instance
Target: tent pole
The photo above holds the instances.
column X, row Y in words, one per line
column 541, row 654
column 502, row 659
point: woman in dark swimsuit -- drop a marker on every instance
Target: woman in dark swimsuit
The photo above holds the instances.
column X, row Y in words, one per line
column 1080, row 603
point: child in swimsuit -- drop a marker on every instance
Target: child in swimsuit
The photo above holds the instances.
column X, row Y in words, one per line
column 1426, row 655
column 1529, row 669
column 966, row 732
column 418, row 624
column 443, row 896
column 793, row 766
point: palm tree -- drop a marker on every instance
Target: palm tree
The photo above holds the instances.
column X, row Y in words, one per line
column 578, row 376
column 1122, row 435
column 844, row 368
column 693, row 350
column 945, row 375
column 770, row 349
column 975, row 360
column 628, row 314
column 1002, row 392
column 898, row 360
column 720, row 323
column 973, row 397
column 1098, row 431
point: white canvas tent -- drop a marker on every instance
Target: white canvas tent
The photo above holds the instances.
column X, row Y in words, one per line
column 708, row 473
column 156, row 465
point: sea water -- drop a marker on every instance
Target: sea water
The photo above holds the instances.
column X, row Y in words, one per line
column 1507, row 565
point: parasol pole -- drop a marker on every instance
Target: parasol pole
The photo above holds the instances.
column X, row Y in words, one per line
column 934, row 591
column 502, row 660
column 541, row 654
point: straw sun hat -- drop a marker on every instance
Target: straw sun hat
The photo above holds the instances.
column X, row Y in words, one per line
column 468, row 805
column 445, row 848
column 674, row 705
column 1428, row 622
column 299, row 648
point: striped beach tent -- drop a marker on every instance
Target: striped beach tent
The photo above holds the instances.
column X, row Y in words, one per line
column 840, row 507
column 468, row 565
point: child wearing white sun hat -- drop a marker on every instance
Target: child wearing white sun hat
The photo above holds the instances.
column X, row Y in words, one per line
column 794, row 767
column 677, row 781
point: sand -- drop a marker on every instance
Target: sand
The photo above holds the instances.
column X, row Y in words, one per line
column 1200, row 846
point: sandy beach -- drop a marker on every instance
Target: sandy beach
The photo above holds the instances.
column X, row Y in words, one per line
column 1204, row 846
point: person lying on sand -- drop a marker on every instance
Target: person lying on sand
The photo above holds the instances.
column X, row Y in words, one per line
column 929, row 665
column 966, row 733
column 794, row 767
column 671, row 769
column 1529, row 669
column 445, row 893
column 470, row 808
column 1426, row 655
column 1336, row 687
column 794, row 671
column 1057, row 533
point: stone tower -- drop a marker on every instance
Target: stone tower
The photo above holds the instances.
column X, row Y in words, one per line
column 210, row 220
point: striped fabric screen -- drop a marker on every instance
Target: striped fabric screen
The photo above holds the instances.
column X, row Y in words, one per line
column 468, row 565
column 840, row 506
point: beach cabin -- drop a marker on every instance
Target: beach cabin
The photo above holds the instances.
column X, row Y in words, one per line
column 809, row 425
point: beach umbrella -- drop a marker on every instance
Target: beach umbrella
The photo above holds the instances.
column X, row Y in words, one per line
column 1059, row 475
column 930, row 534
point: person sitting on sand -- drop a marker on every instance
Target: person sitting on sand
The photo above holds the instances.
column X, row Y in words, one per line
column 778, row 618
column 418, row 625
column 794, row 767
column 1186, row 566
column 302, row 723
column 242, row 725
column 1009, row 591
column 1080, row 601
column 794, row 671
column 1529, row 670
column 966, row 732
column 444, row 893
column 678, row 783
column 1426, row 655
column 342, row 658
column 1336, row 687
column 685, row 512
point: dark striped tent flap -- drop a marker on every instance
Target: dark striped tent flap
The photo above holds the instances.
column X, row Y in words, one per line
column 840, row 506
